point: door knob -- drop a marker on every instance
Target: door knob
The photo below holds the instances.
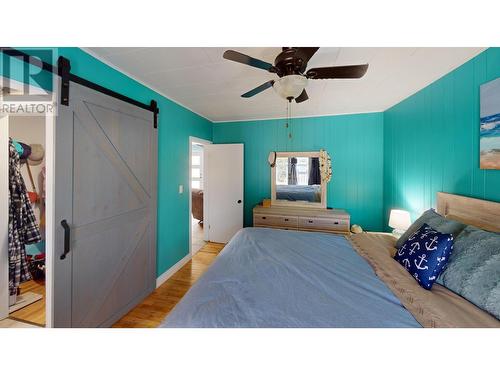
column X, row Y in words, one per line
column 239, row 201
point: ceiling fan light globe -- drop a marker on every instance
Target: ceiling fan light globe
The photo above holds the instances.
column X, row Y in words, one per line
column 290, row 86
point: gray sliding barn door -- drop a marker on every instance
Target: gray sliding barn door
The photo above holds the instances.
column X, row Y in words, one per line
column 106, row 168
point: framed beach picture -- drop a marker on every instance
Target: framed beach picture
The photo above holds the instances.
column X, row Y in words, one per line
column 489, row 133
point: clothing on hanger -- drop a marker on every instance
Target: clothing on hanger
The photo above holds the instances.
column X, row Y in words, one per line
column 23, row 228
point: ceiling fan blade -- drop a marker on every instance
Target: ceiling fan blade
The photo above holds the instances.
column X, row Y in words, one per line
column 247, row 60
column 302, row 97
column 347, row 71
column 258, row 89
column 305, row 53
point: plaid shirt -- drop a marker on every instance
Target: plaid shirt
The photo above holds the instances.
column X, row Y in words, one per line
column 23, row 228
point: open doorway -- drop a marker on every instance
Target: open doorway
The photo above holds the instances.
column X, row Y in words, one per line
column 196, row 194
column 25, row 223
column 25, row 168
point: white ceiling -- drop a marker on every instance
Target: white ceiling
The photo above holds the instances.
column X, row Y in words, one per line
column 201, row 80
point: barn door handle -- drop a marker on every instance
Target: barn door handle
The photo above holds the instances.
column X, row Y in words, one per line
column 67, row 238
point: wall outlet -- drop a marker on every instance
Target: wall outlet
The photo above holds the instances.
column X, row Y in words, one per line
column 181, row 189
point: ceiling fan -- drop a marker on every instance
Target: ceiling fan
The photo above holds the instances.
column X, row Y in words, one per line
column 290, row 66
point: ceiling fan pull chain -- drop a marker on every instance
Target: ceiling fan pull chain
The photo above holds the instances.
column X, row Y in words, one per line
column 286, row 121
column 287, row 124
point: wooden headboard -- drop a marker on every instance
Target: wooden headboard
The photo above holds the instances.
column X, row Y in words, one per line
column 480, row 213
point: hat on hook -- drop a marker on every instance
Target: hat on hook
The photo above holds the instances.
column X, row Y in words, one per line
column 37, row 154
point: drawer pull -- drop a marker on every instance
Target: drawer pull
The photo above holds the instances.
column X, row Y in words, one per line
column 336, row 223
column 263, row 218
column 310, row 221
column 286, row 219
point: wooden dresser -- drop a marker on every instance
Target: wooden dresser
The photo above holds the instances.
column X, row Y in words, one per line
column 306, row 219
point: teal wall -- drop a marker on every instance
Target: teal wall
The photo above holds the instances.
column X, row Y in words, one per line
column 176, row 124
column 431, row 140
column 355, row 143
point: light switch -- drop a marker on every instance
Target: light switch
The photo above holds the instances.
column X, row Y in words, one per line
column 181, row 189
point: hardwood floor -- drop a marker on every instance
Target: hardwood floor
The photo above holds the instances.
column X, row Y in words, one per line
column 12, row 323
column 151, row 312
column 35, row 312
column 197, row 234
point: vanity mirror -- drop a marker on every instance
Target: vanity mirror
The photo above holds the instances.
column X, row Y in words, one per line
column 296, row 180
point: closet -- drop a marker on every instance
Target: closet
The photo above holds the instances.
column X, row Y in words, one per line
column 23, row 174
column 26, row 232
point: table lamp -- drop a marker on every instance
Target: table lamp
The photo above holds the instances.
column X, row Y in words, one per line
column 399, row 220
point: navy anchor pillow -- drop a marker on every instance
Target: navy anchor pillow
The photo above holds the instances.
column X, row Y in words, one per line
column 425, row 253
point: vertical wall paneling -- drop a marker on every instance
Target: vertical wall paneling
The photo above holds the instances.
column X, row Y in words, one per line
column 355, row 143
column 431, row 140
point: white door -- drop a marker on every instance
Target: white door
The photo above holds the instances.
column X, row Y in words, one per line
column 105, row 197
column 223, row 191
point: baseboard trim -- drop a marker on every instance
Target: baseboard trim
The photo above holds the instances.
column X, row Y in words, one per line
column 168, row 273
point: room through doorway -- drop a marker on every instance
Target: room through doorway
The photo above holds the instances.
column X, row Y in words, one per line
column 197, row 192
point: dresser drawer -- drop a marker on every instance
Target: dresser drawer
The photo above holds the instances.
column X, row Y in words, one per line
column 323, row 224
column 275, row 221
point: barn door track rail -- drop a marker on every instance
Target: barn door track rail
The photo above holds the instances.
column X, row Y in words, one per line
column 63, row 70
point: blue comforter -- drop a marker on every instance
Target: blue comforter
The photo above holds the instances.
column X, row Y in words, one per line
column 276, row 278
column 308, row 193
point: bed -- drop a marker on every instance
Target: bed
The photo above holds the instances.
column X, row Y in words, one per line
column 307, row 193
column 275, row 278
